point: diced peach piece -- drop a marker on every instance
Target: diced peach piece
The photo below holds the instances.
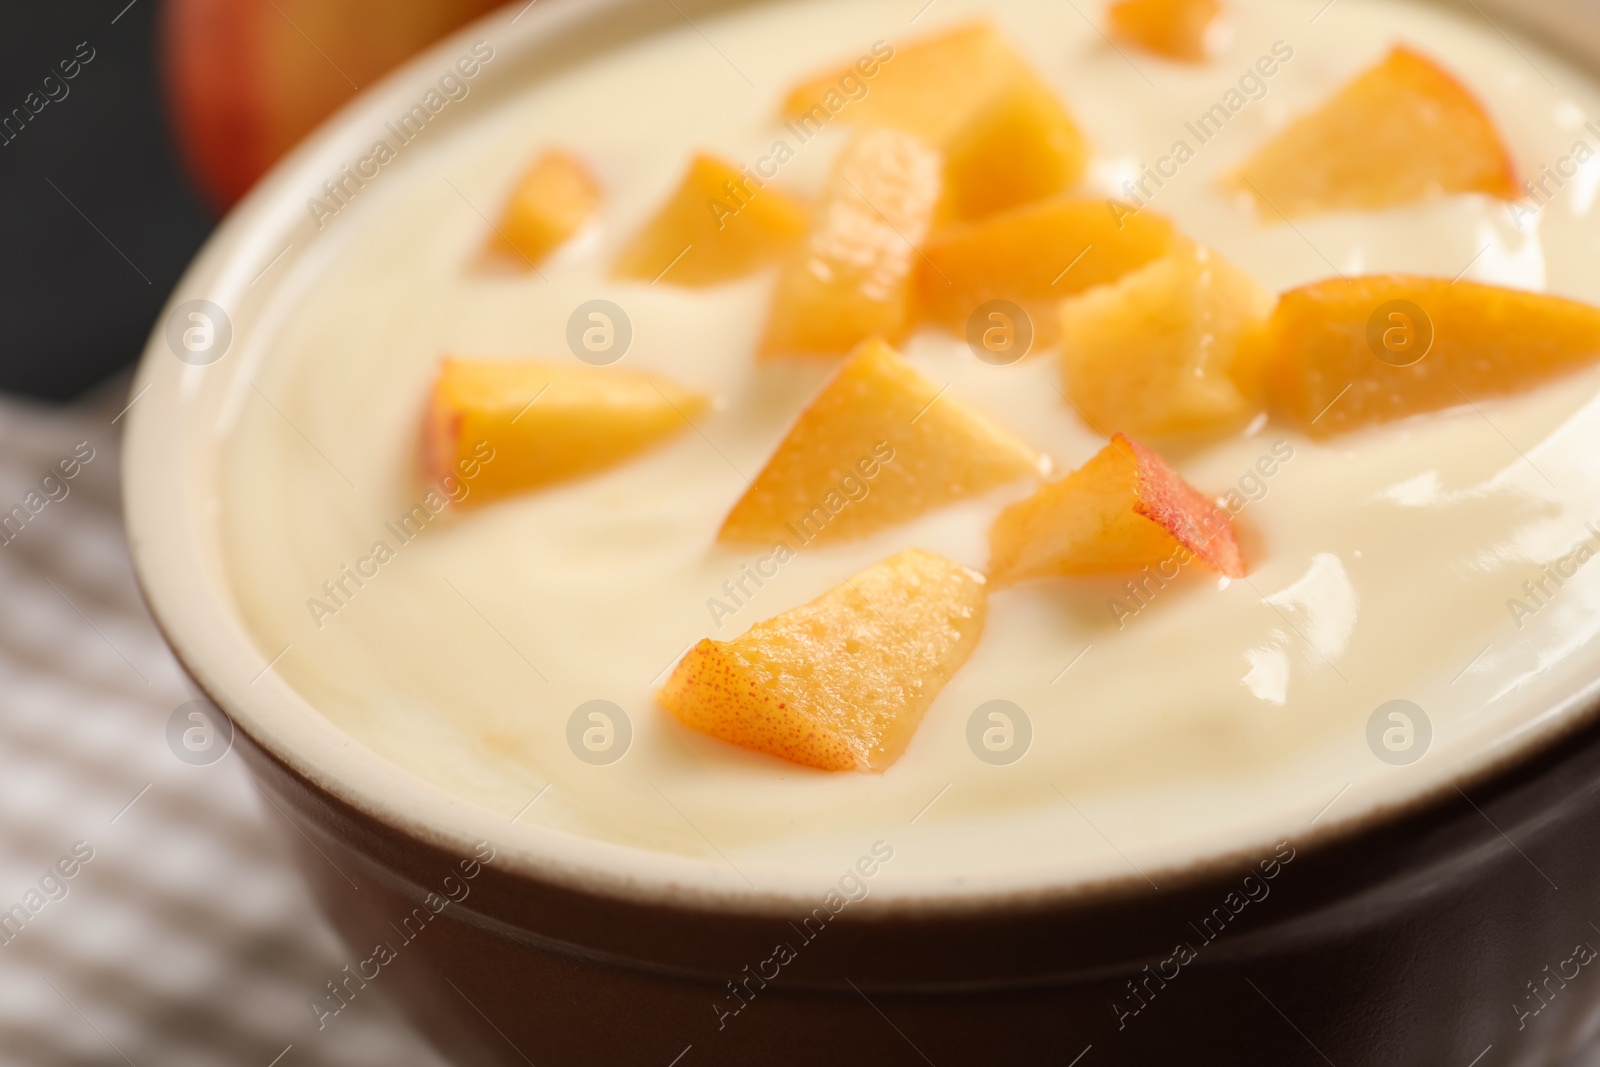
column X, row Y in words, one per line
column 929, row 87
column 879, row 445
column 1006, row 137
column 552, row 200
column 522, row 424
column 1168, row 349
column 1123, row 509
column 1177, row 29
column 1346, row 353
column 1020, row 145
column 1403, row 131
column 719, row 224
column 850, row 278
column 842, row 682
column 1034, row 256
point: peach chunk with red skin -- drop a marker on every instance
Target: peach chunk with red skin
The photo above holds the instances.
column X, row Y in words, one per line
column 840, row 683
column 1123, row 509
column 545, row 422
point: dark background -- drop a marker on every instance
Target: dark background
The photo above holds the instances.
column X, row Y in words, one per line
column 77, row 304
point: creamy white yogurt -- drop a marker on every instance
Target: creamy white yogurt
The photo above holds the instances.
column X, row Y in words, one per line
column 1218, row 714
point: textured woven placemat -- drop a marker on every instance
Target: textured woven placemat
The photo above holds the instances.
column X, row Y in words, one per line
column 181, row 935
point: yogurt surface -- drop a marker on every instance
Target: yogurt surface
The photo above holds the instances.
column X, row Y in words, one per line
column 1191, row 717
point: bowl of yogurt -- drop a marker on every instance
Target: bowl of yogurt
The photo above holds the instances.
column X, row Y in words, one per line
column 1337, row 811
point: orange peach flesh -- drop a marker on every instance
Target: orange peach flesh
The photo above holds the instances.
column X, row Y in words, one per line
column 1351, row 352
column 1006, row 137
column 1403, row 131
column 1172, row 348
column 523, row 424
column 1034, row 256
column 842, row 682
column 1176, row 29
column 850, row 277
column 879, row 445
column 718, row 225
column 552, row 200
column 911, row 87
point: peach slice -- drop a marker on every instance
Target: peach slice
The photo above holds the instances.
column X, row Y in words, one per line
column 1403, row 131
column 1020, row 145
column 879, row 445
column 1177, row 29
column 1168, row 349
column 851, row 276
column 551, row 201
column 719, row 224
column 1341, row 354
column 1007, row 138
column 1034, row 256
column 522, row 424
column 929, row 87
column 1123, row 509
column 842, row 682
